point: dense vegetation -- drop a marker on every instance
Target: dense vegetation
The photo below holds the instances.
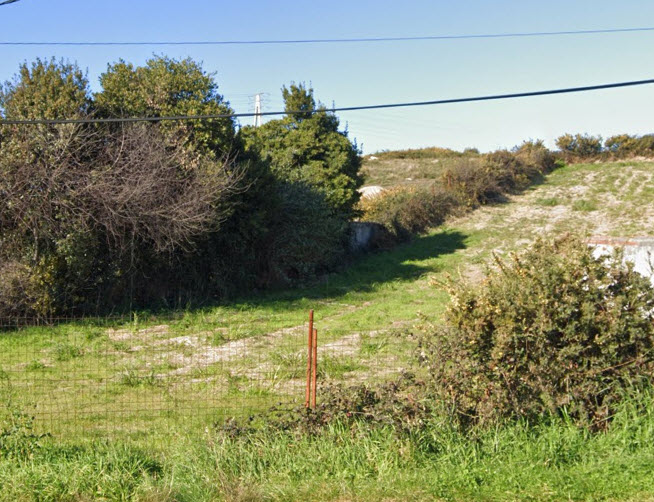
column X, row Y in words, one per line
column 467, row 181
column 400, row 440
column 585, row 146
column 99, row 216
column 554, row 330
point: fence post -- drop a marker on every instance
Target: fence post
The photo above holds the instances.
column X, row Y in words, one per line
column 315, row 367
column 307, row 399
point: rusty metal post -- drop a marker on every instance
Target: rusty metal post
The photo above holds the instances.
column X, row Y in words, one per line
column 307, row 399
column 315, row 368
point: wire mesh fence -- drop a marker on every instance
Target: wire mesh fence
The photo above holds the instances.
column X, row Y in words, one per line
column 115, row 376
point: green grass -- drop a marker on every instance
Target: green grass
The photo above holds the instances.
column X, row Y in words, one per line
column 548, row 201
column 552, row 461
column 76, row 378
column 584, row 205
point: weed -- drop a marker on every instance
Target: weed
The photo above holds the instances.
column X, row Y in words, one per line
column 548, row 201
column 584, row 205
column 373, row 344
column 333, row 367
column 17, row 437
column 35, row 365
column 65, row 351
column 134, row 378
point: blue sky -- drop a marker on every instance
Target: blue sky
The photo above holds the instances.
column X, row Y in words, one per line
column 353, row 74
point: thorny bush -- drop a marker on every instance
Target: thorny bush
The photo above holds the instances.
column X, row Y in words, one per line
column 401, row 404
column 405, row 212
column 554, row 329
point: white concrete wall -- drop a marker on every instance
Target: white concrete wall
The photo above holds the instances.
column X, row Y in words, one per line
column 639, row 251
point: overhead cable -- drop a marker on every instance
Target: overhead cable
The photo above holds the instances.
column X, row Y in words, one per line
column 336, row 40
column 492, row 97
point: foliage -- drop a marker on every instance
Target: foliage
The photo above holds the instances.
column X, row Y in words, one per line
column 169, row 87
column 46, row 89
column 86, row 210
column 625, row 145
column 553, row 330
column 405, row 212
column 433, row 152
column 20, row 293
column 580, row 145
column 488, row 178
column 401, row 403
column 309, row 148
column 620, row 146
column 306, row 237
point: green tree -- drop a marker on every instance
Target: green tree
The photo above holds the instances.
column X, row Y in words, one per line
column 46, row 89
column 309, row 148
column 40, row 166
column 167, row 87
column 88, row 211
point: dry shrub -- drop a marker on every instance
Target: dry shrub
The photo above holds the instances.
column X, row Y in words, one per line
column 81, row 206
column 551, row 330
column 407, row 211
column 21, row 293
column 143, row 190
column 471, row 184
column 481, row 181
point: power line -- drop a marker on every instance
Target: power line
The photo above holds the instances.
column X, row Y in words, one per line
column 339, row 40
column 493, row 97
column 7, row 2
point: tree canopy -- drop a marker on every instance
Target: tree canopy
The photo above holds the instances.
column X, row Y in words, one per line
column 309, row 148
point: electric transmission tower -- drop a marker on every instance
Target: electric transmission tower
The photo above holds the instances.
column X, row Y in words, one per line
column 257, row 110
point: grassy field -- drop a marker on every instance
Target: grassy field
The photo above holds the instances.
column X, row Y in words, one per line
column 172, row 376
column 411, row 167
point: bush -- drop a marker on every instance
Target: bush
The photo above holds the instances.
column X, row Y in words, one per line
column 537, row 155
column 433, row 152
column 21, row 292
column 475, row 182
column 625, row 145
column 580, row 145
column 552, row 330
column 306, row 237
column 407, row 211
column 400, row 403
column 470, row 184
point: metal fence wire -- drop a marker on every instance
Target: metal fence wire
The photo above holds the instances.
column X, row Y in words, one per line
column 103, row 377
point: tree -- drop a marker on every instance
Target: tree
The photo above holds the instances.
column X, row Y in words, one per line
column 168, row 87
column 86, row 207
column 34, row 173
column 309, row 148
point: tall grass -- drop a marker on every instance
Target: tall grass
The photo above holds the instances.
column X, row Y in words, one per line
column 553, row 460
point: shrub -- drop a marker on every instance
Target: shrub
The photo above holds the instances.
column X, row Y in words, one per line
column 475, row 182
column 433, row 152
column 580, row 145
column 552, row 330
column 470, row 184
column 625, row 145
column 408, row 211
column 20, row 291
column 306, row 237
column 400, row 403
column 536, row 154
